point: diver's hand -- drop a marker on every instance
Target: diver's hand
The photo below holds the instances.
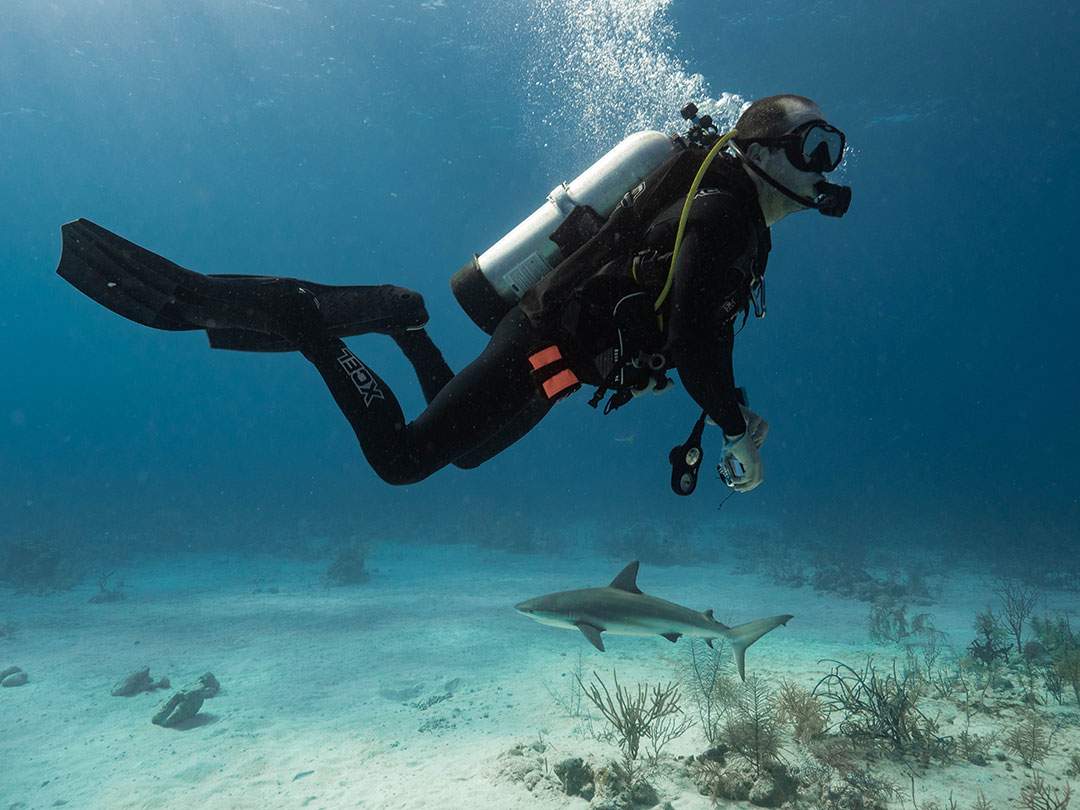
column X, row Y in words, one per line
column 757, row 427
column 744, row 450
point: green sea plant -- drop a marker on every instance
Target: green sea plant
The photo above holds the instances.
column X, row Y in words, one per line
column 1054, row 634
column 633, row 716
column 990, row 644
column 881, row 708
column 1059, row 660
column 1018, row 602
column 843, row 572
column 1054, row 683
column 948, row 679
column 970, row 698
column 666, row 730
column 570, row 701
column 798, row 708
column 972, row 688
column 981, row 802
column 1031, row 739
column 705, row 677
column 1068, row 669
column 923, row 652
column 1036, row 794
column 888, row 622
column 752, row 731
column 834, row 751
column 1073, row 770
column 871, row 790
column 931, row 804
column 975, row 748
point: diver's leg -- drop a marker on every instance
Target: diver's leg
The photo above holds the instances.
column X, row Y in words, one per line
column 473, row 407
column 427, row 361
column 524, row 421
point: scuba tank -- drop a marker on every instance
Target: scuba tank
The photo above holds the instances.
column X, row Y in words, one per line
column 494, row 281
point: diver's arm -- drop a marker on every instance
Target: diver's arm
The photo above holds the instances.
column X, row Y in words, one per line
column 700, row 338
column 707, row 373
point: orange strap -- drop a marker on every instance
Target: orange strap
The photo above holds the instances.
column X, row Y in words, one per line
column 545, row 357
column 559, row 383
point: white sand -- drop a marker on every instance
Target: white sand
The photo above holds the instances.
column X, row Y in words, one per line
column 324, row 681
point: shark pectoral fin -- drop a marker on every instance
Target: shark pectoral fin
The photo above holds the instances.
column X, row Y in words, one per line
column 672, row 637
column 592, row 634
column 743, row 635
column 709, row 642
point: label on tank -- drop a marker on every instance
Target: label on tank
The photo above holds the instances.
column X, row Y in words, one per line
column 525, row 275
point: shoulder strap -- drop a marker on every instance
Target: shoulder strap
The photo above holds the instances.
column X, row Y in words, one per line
column 621, row 232
column 694, row 185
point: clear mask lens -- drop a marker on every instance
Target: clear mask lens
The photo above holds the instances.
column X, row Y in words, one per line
column 822, row 148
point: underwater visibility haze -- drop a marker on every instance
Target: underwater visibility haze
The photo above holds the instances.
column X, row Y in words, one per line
column 217, row 591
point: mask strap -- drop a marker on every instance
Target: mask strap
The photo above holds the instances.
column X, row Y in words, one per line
column 760, row 172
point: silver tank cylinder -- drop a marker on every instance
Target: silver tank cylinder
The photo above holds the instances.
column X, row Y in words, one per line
column 495, row 280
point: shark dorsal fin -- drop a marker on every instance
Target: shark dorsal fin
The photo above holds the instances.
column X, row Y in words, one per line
column 709, row 615
column 627, row 579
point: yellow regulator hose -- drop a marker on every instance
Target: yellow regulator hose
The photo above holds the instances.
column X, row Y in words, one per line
column 720, row 144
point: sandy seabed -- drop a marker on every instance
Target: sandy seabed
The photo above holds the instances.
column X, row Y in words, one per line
column 403, row 692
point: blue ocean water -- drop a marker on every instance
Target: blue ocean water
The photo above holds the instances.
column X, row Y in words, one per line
column 918, row 364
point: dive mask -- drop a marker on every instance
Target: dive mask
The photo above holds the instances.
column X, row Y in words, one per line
column 815, row 147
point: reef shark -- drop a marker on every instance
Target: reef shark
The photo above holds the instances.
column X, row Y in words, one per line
column 623, row 610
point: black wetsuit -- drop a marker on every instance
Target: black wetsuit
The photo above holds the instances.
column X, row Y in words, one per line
column 496, row 399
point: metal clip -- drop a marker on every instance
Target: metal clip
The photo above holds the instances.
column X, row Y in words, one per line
column 757, row 296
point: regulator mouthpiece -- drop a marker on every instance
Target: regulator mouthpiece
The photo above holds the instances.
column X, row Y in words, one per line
column 832, row 200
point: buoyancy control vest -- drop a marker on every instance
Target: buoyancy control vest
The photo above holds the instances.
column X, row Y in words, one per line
column 584, row 245
column 615, row 337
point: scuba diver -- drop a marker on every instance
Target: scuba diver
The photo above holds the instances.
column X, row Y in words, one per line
column 641, row 265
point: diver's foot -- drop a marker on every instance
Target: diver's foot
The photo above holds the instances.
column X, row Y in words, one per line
column 281, row 307
column 287, row 308
column 294, row 309
column 259, row 313
column 385, row 309
column 295, row 313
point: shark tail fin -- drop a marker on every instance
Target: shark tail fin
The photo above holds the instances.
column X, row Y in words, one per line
column 743, row 635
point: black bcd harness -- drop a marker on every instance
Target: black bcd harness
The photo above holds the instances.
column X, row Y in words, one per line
column 632, row 357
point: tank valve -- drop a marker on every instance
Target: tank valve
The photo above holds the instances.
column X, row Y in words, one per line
column 702, row 129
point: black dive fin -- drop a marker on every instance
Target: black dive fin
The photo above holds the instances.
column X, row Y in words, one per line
column 131, row 281
column 346, row 311
column 151, row 290
column 592, row 634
